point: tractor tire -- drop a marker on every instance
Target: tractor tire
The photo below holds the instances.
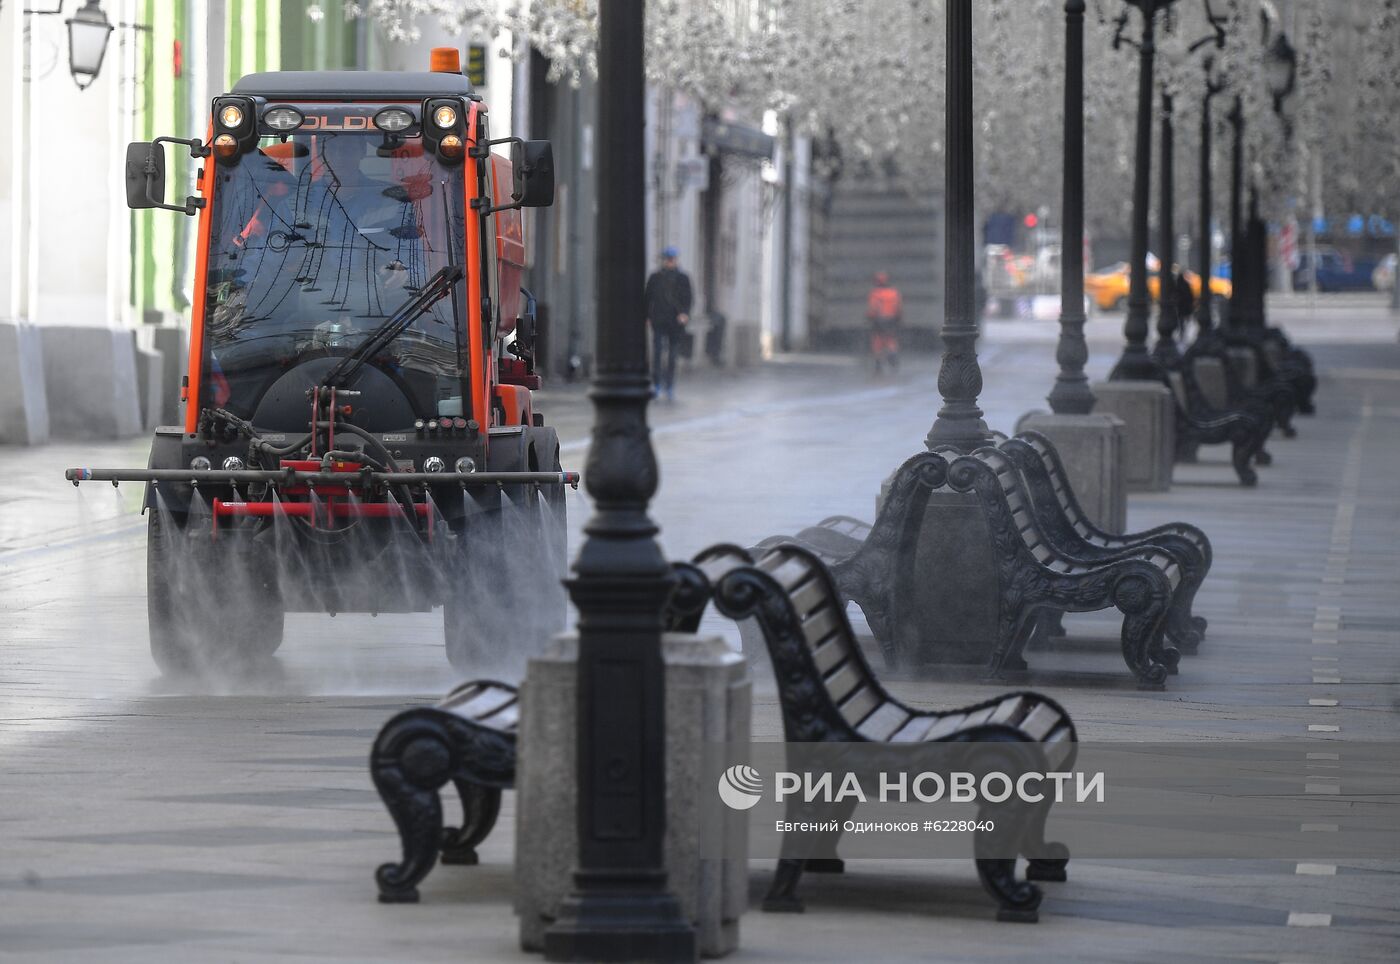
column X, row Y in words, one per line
column 208, row 607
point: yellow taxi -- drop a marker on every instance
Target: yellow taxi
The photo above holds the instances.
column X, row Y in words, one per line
column 1109, row 288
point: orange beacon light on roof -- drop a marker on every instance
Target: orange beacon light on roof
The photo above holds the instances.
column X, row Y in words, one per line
column 445, row 60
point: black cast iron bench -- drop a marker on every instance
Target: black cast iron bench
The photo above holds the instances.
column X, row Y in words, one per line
column 1197, row 423
column 1271, row 391
column 1071, row 533
column 1034, row 578
column 1275, row 356
column 829, row 694
column 468, row 738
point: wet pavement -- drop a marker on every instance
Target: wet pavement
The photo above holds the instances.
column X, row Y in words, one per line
column 234, row 819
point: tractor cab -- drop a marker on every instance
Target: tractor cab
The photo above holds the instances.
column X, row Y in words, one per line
column 329, row 202
column 361, row 349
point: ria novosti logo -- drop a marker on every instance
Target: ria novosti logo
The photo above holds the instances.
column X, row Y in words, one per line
column 740, row 787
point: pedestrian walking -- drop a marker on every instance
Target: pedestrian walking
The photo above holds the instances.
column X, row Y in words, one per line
column 883, row 309
column 668, row 302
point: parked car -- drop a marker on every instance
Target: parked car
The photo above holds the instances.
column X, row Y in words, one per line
column 1336, row 271
column 1384, row 276
column 1108, row 287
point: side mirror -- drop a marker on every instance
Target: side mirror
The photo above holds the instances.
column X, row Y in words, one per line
column 145, row 175
column 533, row 166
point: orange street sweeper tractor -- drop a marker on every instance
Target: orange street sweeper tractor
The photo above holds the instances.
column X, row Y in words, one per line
column 359, row 433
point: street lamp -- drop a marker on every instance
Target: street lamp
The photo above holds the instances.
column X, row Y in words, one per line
column 1135, row 364
column 1204, row 318
column 1166, row 353
column 1071, row 394
column 1281, row 70
column 88, row 33
column 620, row 908
column 959, row 422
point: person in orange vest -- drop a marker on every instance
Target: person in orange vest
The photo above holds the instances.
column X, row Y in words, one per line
column 883, row 309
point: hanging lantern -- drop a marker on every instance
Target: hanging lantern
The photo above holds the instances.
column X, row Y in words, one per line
column 88, row 33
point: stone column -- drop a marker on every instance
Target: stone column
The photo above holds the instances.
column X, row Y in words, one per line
column 708, row 691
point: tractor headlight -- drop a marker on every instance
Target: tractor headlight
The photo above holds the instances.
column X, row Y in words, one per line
column 231, row 116
column 434, row 463
column 450, row 147
column 199, row 463
column 445, row 117
column 466, row 464
column 393, row 120
column 225, row 146
column 233, row 464
column 280, row 118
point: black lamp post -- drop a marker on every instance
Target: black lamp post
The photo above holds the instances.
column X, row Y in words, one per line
column 1071, row 394
column 620, row 908
column 1165, row 352
column 1248, row 234
column 959, row 422
column 88, row 33
column 1239, row 272
column 1136, row 364
column 1204, row 316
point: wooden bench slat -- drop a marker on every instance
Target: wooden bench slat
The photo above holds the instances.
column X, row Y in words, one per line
column 820, row 624
column 462, row 692
column 1010, row 710
column 842, row 682
column 807, row 597
column 786, row 570
column 505, row 719
column 977, row 717
column 945, row 726
column 484, row 703
column 717, row 567
column 1040, row 721
column 831, row 653
column 914, row 730
column 860, row 705
column 879, row 726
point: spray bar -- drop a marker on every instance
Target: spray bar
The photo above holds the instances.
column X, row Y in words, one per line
column 290, row 477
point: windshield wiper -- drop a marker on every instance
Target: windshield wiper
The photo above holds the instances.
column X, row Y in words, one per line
column 439, row 286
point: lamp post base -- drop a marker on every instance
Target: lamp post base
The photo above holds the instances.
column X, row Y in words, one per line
column 1135, row 365
column 623, row 925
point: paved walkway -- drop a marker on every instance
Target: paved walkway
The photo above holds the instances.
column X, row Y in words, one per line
column 145, row 821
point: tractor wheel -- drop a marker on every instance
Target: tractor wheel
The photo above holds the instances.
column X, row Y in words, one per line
column 208, row 606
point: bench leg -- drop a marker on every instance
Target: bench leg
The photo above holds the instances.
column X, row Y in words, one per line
column 410, row 763
column 1047, row 861
column 1144, row 613
column 1245, row 446
column 1017, row 900
column 782, row 894
column 480, row 807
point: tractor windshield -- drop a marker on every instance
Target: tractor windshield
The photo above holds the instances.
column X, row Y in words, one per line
column 313, row 242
